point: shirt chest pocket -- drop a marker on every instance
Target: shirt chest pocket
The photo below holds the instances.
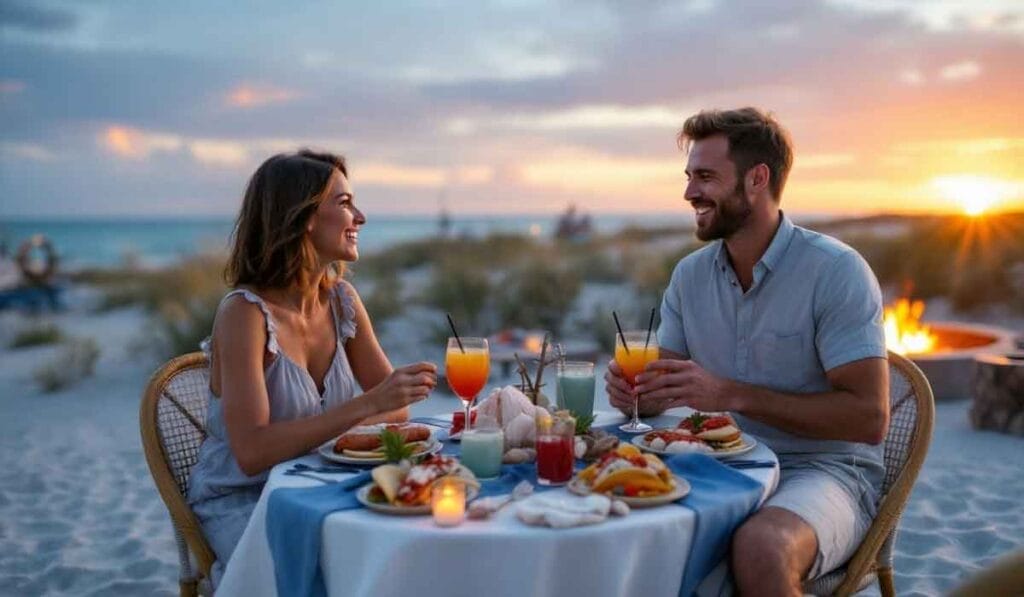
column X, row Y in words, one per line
column 783, row 361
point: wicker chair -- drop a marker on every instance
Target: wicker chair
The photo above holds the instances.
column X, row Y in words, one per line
column 171, row 420
column 911, row 416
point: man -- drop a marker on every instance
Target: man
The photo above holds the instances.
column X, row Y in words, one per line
column 783, row 327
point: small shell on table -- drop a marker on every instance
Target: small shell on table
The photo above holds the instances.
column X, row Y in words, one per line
column 519, row 455
column 619, row 508
column 580, row 447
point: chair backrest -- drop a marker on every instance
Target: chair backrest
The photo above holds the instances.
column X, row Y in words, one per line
column 171, row 419
column 911, row 418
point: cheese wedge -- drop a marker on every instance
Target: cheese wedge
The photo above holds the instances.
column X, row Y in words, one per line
column 388, row 477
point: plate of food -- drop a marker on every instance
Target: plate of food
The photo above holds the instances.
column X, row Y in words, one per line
column 405, row 490
column 716, row 435
column 641, row 480
column 369, row 444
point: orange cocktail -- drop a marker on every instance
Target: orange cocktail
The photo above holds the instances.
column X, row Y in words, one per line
column 639, row 349
column 467, row 365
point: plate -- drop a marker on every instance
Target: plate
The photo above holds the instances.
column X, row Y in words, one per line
column 326, row 452
column 362, row 495
column 749, row 443
column 682, row 489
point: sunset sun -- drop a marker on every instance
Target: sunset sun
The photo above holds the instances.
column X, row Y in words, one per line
column 974, row 195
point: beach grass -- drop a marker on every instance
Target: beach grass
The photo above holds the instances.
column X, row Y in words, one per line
column 75, row 361
column 37, row 335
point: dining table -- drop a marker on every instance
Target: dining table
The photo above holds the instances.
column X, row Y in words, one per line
column 364, row 552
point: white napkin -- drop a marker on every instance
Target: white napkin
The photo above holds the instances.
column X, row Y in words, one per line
column 562, row 511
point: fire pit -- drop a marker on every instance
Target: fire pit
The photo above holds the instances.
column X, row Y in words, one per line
column 944, row 350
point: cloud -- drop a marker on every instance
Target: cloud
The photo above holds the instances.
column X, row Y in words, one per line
column 11, row 86
column 960, row 71
column 254, row 96
column 15, row 14
column 134, row 144
column 27, row 151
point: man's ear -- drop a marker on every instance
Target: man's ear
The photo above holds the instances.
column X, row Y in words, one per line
column 758, row 177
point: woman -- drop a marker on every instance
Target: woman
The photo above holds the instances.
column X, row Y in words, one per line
column 289, row 343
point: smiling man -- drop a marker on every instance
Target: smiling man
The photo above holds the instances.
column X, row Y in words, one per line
column 783, row 327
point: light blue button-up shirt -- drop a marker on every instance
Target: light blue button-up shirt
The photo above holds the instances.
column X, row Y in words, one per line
column 814, row 305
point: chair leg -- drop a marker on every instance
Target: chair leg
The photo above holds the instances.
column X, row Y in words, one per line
column 188, row 588
column 885, row 583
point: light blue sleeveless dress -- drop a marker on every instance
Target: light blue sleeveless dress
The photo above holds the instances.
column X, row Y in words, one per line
column 221, row 495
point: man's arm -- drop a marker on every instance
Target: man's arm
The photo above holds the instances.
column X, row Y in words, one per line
column 856, row 409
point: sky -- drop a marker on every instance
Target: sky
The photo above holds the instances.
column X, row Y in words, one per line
column 123, row 107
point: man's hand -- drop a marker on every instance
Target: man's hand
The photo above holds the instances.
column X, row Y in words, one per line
column 620, row 393
column 670, row 383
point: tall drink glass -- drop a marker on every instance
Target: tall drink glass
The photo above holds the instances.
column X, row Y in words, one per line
column 466, row 368
column 575, row 381
column 632, row 363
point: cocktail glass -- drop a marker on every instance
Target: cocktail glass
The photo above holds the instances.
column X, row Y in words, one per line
column 466, row 367
column 633, row 361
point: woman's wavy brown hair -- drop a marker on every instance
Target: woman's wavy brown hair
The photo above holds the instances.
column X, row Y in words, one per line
column 270, row 246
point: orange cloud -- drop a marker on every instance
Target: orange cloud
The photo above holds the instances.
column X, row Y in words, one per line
column 131, row 143
column 253, row 96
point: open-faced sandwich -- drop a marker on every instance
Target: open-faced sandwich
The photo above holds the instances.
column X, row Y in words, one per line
column 719, row 431
column 409, row 486
column 628, row 472
column 368, row 441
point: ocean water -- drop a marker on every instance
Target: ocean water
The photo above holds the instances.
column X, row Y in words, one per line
column 154, row 242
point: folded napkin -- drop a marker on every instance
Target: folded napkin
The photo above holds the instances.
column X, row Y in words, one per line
column 562, row 511
column 295, row 517
column 722, row 499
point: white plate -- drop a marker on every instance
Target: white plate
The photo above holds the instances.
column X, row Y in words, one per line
column 749, row 443
column 362, row 494
column 682, row 489
column 327, row 452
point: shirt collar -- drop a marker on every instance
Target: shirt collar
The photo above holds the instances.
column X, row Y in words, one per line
column 776, row 249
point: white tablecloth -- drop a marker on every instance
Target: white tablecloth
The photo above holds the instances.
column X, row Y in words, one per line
column 365, row 553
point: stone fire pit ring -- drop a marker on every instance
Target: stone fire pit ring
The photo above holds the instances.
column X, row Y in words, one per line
column 950, row 371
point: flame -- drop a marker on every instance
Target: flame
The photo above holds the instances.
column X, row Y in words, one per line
column 904, row 333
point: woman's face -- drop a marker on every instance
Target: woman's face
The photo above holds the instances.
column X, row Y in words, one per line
column 334, row 228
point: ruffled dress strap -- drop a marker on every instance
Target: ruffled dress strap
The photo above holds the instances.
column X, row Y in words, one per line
column 252, row 297
column 345, row 317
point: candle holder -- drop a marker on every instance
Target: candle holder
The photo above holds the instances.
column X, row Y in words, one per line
column 448, row 501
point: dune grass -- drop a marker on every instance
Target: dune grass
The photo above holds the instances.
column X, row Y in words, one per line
column 37, row 335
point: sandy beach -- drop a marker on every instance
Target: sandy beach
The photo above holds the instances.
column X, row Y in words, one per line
column 79, row 514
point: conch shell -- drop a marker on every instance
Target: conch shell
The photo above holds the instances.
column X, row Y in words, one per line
column 514, row 413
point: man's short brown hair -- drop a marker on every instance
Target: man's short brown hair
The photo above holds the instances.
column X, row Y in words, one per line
column 755, row 137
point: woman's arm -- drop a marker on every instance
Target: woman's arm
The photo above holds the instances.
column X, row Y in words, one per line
column 258, row 444
column 369, row 363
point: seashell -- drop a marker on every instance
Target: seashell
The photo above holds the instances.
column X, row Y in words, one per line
column 519, row 455
column 580, row 447
column 504, row 404
column 520, row 432
column 619, row 508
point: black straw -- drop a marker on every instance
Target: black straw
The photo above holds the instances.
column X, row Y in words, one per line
column 454, row 331
column 650, row 324
column 621, row 335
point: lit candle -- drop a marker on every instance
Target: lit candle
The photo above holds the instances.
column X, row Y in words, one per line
column 448, row 502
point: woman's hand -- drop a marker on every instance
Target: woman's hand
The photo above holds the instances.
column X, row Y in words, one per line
column 404, row 386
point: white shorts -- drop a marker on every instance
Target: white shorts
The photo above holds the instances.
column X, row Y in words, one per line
column 838, row 517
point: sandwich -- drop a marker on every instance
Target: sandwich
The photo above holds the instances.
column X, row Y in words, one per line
column 366, row 441
column 410, row 486
column 626, row 471
column 719, row 431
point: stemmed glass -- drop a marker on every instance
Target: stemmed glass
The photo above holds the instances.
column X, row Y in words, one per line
column 642, row 349
column 467, row 363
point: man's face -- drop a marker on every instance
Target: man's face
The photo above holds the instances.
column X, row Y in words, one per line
column 713, row 189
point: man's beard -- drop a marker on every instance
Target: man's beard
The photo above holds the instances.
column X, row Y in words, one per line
column 729, row 216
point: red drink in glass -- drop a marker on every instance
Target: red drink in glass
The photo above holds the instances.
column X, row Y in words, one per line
column 554, row 459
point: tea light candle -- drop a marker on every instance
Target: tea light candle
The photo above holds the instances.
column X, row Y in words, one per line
column 448, row 502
